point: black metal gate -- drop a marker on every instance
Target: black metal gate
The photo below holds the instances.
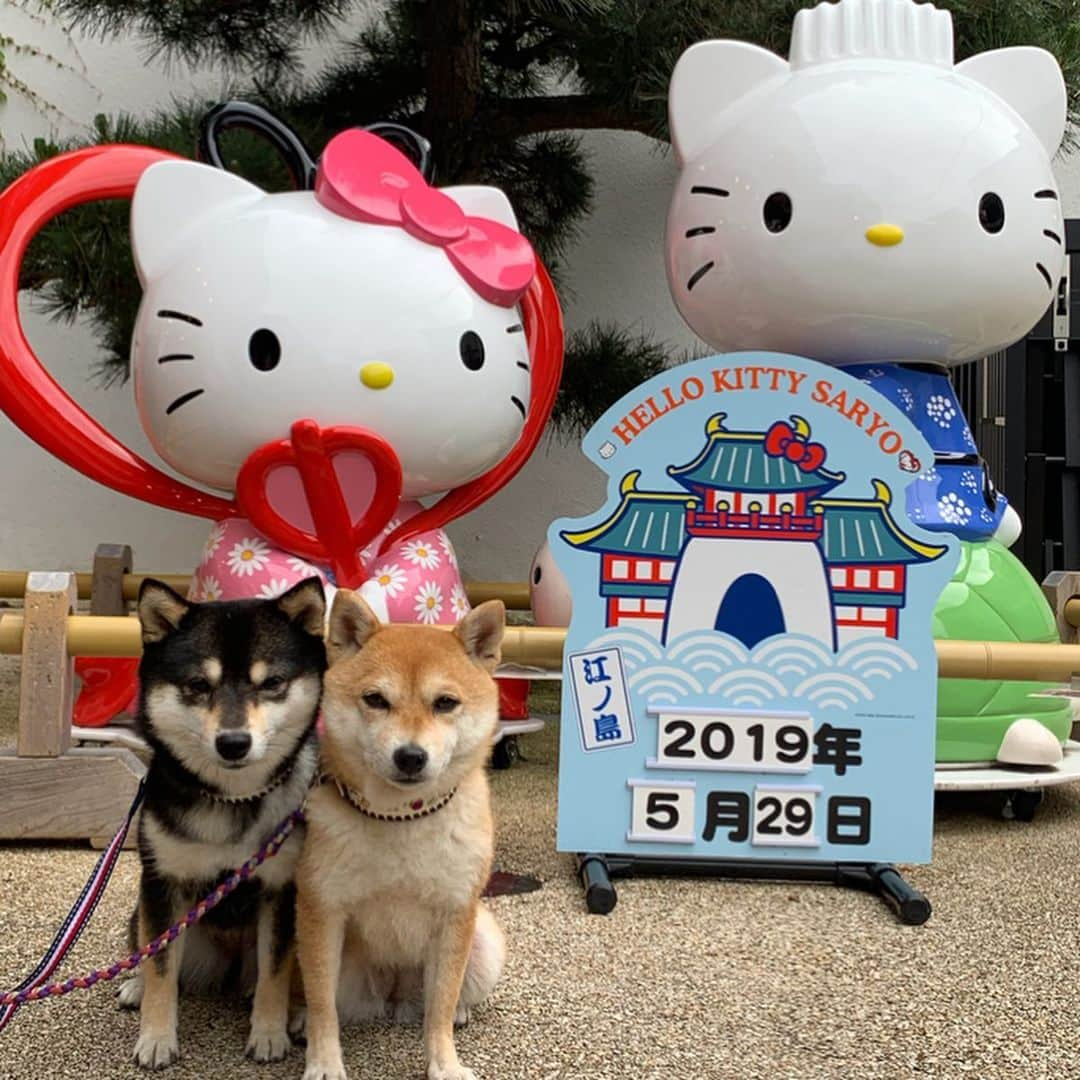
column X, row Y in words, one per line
column 1024, row 408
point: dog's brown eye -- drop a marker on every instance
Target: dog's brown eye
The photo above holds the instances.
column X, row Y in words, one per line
column 198, row 686
column 272, row 685
column 446, row 704
column 375, row 700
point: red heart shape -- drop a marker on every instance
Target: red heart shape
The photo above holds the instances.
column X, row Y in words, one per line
column 909, row 462
column 29, row 395
column 328, row 524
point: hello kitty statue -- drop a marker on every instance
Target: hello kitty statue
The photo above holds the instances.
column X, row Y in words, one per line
column 326, row 359
column 871, row 204
column 549, row 591
column 345, row 306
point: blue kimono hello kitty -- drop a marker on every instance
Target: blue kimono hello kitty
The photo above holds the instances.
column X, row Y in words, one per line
column 871, row 204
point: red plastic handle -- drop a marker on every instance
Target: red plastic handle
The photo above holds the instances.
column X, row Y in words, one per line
column 337, row 539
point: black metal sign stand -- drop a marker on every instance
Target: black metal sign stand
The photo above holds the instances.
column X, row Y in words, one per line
column 596, row 873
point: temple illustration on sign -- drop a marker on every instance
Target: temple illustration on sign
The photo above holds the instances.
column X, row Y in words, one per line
column 753, row 546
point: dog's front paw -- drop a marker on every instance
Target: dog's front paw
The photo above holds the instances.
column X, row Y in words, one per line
column 129, row 996
column 267, row 1044
column 456, row 1071
column 156, row 1050
column 325, row 1071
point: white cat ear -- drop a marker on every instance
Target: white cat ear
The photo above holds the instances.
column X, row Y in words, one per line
column 173, row 199
column 709, row 77
column 488, row 202
column 1029, row 80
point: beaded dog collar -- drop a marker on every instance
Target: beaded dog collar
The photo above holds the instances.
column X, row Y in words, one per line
column 218, row 796
column 411, row 811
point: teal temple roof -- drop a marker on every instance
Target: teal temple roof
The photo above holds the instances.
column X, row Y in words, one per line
column 646, row 523
column 863, row 531
column 653, row 525
column 737, row 461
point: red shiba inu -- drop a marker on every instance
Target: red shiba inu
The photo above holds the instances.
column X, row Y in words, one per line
column 400, row 837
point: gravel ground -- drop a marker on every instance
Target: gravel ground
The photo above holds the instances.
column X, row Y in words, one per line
column 686, row 979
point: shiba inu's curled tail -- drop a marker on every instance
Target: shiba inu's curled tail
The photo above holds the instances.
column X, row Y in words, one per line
column 486, row 960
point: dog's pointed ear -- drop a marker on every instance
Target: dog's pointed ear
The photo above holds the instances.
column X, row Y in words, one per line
column 160, row 610
column 305, row 605
column 481, row 632
column 352, row 622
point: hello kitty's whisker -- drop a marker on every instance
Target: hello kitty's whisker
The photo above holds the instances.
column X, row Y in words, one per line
column 698, row 274
column 519, row 405
column 183, row 399
column 1046, row 193
column 1053, row 235
column 524, row 367
column 517, row 328
column 1046, row 274
column 700, row 189
column 166, row 313
column 700, row 230
column 175, row 356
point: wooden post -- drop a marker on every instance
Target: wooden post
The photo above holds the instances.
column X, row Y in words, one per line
column 48, row 672
column 49, row 791
column 1058, row 588
column 111, row 563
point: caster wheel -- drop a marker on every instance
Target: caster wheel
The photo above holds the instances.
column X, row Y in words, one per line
column 1021, row 805
column 506, row 752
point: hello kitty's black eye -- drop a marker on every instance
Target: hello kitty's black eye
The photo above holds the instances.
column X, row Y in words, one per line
column 777, row 212
column 538, row 573
column 264, row 350
column 992, row 213
column 472, row 350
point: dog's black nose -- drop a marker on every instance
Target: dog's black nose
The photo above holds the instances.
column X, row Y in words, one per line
column 233, row 745
column 410, row 759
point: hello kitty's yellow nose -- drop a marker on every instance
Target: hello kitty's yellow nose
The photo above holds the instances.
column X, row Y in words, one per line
column 377, row 376
column 885, row 235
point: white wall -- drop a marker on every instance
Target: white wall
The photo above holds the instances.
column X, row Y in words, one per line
column 52, row 517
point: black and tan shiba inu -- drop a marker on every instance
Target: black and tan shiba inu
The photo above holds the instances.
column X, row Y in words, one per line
column 400, row 835
column 228, row 703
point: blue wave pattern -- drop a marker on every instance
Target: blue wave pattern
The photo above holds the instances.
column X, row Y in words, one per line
column 787, row 668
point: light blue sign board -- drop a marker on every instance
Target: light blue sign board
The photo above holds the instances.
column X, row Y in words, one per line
column 749, row 671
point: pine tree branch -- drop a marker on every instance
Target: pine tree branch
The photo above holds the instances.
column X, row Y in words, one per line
column 236, row 33
column 605, row 361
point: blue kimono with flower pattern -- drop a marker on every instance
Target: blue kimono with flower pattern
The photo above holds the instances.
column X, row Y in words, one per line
column 955, row 494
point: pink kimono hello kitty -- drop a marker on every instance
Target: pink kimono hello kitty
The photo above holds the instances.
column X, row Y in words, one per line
column 337, row 358
column 375, row 303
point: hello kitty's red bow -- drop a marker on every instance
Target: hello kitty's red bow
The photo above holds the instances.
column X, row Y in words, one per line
column 363, row 177
column 781, row 440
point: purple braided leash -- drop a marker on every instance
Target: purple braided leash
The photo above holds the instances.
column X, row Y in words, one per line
column 152, row 948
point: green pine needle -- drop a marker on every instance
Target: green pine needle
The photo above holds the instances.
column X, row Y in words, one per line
column 603, row 362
